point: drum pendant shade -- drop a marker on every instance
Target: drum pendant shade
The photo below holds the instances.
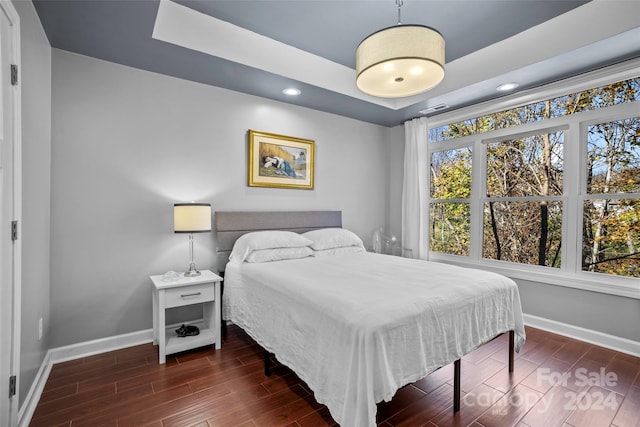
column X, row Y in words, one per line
column 400, row 61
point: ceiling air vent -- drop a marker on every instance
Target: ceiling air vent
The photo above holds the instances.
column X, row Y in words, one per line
column 434, row 108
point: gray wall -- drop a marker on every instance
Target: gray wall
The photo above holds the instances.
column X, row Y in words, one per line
column 610, row 314
column 127, row 144
column 605, row 313
column 35, row 79
column 395, row 160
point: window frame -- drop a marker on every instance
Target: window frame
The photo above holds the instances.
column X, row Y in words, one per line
column 575, row 127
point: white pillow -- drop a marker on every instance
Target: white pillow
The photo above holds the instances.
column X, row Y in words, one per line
column 339, row 251
column 279, row 254
column 328, row 238
column 269, row 239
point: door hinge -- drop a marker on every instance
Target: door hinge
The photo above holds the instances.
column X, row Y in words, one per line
column 14, row 230
column 12, row 385
column 14, row 74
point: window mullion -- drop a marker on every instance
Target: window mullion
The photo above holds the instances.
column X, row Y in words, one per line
column 478, row 190
column 574, row 170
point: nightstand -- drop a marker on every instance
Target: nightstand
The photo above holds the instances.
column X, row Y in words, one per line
column 203, row 289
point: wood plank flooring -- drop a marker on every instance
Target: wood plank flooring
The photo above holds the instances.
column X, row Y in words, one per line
column 557, row 382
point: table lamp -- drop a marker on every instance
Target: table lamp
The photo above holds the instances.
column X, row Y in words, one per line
column 191, row 218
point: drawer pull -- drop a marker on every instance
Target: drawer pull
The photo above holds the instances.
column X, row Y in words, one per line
column 195, row 294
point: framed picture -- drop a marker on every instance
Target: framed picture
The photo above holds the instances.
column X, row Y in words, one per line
column 280, row 161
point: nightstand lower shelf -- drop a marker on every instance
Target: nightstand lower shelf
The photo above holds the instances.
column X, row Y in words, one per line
column 176, row 344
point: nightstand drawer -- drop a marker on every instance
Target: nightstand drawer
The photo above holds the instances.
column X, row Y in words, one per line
column 189, row 295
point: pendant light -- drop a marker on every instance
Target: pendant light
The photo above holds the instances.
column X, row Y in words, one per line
column 400, row 61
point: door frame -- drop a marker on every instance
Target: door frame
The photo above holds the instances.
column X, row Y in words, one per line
column 12, row 354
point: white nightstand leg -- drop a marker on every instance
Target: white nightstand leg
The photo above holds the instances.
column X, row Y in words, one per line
column 155, row 317
column 216, row 321
column 162, row 336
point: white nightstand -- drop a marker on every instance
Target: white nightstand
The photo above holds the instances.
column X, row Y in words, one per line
column 203, row 289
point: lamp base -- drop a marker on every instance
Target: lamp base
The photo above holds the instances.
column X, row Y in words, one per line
column 191, row 273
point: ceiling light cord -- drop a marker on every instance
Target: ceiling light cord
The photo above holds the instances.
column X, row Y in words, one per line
column 399, row 3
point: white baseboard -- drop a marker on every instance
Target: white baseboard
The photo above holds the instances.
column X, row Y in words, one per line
column 101, row 345
column 35, row 391
column 71, row 352
column 601, row 339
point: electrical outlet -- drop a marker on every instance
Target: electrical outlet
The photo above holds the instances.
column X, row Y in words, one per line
column 40, row 329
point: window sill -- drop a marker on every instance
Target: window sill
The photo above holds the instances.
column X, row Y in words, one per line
column 621, row 286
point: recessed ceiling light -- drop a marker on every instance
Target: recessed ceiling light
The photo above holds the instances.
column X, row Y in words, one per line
column 507, row 86
column 292, row 91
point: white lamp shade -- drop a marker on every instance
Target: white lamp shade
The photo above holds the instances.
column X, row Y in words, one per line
column 400, row 61
column 191, row 217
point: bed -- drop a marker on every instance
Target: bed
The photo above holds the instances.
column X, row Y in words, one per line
column 357, row 326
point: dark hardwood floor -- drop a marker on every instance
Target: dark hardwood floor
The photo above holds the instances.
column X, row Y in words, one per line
column 557, row 382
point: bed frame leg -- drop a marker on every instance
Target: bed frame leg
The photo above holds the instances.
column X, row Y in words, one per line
column 267, row 364
column 456, row 386
column 511, row 351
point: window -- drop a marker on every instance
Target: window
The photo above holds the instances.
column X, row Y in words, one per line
column 450, row 194
column 600, row 97
column 555, row 186
column 523, row 210
column 611, row 212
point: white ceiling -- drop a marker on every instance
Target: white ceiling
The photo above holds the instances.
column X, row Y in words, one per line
column 261, row 47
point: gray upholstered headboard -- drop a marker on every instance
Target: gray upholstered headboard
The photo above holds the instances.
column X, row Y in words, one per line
column 231, row 225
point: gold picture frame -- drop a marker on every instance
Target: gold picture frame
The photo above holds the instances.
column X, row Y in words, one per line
column 280, row 161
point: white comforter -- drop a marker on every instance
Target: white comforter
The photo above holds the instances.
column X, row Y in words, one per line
column 358, row 327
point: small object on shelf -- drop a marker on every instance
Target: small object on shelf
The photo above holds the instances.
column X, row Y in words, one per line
column 170, row 276
column 187, row 331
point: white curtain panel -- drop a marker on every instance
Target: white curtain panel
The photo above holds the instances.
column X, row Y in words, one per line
column 414, row 189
